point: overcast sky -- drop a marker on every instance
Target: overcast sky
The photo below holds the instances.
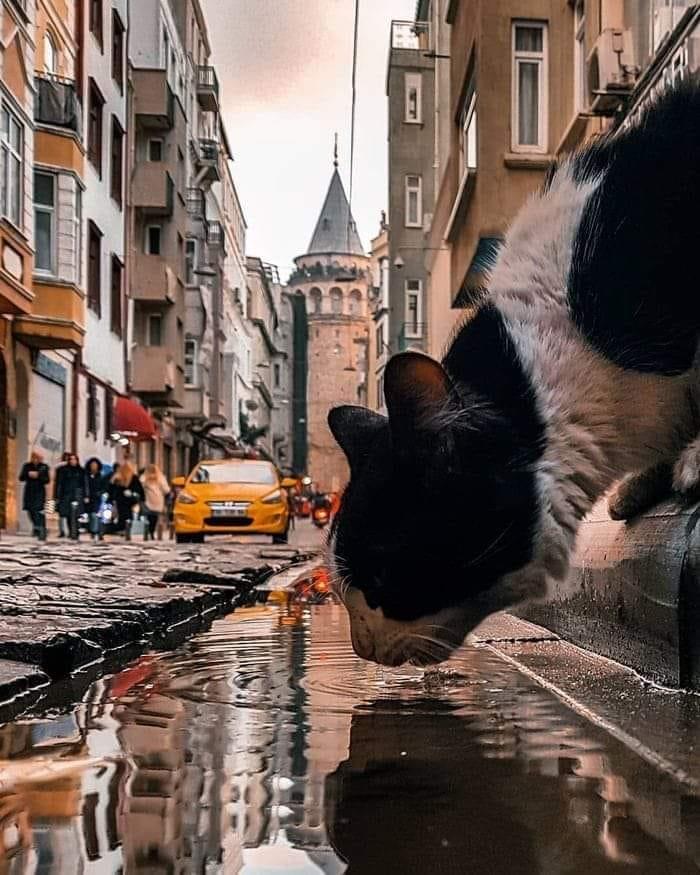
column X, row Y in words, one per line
column 285, row 70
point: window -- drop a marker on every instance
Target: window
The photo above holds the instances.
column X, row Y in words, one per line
column 580, row 77
column 529, row 106
column 116, row 296
column 94, row 296
column 50, row 55
column 414, row 202
column 91, row 408
column 336, row 301
column 117, row 160
column 467, row 134
column 190, row 362
column 11, row 167
column 190, row 261
column 153, row 239
column 109, row 415
column 414, row 308
column 277, row 376
column 380, row 392
column 379, row 337
column 316, row 301
column 414, row 110
column 355, row 303
column 154, row 335
column 117, row 50
column 45, row 221
column 96, row 17
column 95, row 103
column 78, row 230
column 155, row 150
column 166, row 50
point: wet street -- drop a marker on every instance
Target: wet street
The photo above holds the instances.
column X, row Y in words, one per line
column 265, row 746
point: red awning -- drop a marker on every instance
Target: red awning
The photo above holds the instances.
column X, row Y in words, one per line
column 132, row 421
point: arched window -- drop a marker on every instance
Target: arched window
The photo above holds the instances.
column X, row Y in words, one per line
column 336, row 301
column 50, row 54
column 355, row 303
column 315, row 301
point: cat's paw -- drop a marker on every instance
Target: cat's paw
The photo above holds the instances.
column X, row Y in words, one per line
column 624, row 503
column 638, row 493
column 686, row 473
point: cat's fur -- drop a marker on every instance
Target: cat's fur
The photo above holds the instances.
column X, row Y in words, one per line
column 577, row 370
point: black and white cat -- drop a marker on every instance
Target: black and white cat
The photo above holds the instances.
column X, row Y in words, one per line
column 577, row 369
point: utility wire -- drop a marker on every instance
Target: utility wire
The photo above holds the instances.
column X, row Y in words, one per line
column 352, row 111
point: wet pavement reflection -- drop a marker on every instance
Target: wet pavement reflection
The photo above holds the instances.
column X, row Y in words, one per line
column 265, row 746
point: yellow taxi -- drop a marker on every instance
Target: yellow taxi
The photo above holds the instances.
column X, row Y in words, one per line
column 232, row 497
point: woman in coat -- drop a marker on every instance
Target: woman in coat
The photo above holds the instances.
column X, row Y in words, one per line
column 35, row 476
column 125, row 492
column 71, row 490
column 156, row 489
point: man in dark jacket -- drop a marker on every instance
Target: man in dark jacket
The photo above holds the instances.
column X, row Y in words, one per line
column 71, row 490
column 96, row 486
column 35, row 476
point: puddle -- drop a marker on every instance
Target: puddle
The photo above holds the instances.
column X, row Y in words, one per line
column 265, row 746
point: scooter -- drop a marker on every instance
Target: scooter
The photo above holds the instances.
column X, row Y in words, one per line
column 321, row 517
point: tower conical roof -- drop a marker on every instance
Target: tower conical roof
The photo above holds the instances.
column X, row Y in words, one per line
column 336, row 231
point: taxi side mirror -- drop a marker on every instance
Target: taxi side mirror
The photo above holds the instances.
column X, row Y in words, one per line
column 178, row 482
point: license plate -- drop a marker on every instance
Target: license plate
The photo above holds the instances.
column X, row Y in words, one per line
column 228, row 511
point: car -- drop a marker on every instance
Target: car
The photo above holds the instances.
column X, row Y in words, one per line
column 232, row 497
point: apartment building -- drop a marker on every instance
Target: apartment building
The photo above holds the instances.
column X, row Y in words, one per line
column 379, row 350
column 410, row 93
column 157, row 223
column 282, row 378
column 17, row 296
column 102, row 73
column 264, row 320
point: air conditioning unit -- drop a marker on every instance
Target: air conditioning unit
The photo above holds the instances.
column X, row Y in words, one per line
column 611, row 70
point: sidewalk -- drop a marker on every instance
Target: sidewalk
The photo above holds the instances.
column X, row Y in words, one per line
column 69, row 607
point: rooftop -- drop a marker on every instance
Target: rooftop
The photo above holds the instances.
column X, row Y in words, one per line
column 336, row 231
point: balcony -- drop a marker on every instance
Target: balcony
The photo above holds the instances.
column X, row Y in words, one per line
column 209, row 161
column 153, row 189
column 155, row 376
column 57, row 319
column 216, row 238
column 56, row 103
column 410, row 35
column 412, row 336
column 154, row 101
column 153, row 280
column 208, row 89
column 195, row 203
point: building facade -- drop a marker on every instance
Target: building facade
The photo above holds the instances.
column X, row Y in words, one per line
column 102, row 364
column 334, row 278
column 411, row 94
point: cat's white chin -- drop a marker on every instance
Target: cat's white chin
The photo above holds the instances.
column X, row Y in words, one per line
column 426, row 641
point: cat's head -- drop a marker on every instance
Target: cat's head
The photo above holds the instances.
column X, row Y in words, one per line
column 442, row 506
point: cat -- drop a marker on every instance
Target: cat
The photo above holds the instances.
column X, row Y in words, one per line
column 576, row 369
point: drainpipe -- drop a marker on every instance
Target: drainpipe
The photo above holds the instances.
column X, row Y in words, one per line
column 74, row 400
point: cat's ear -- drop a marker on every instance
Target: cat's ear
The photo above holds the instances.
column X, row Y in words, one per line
column 355, row 428
column 416, row 389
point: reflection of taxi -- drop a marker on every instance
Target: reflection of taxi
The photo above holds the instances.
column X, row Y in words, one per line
column 232, row 496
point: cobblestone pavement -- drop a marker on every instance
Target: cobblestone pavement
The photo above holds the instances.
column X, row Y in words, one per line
column 67, row 605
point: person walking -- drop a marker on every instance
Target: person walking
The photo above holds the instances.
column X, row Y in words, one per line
column 156, row 491
column 35, row 476
column 95, row 490
column 125, row 492
column 71, row 490
column 63, row 527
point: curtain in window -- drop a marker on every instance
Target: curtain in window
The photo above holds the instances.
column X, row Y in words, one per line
column 528, row 103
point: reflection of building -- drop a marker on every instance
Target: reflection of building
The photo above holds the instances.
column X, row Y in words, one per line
column 334, row 277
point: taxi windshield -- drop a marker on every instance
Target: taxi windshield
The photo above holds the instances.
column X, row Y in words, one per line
column 236, row 472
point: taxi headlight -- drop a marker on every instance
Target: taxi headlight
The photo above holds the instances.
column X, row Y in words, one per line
column 186, row 498
column 273, row 498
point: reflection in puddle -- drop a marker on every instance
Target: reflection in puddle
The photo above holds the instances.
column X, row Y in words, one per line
column 265, row 746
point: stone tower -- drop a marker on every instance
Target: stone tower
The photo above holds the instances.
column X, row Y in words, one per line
column 334, row 277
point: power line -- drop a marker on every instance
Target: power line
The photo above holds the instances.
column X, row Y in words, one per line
column 352, row 111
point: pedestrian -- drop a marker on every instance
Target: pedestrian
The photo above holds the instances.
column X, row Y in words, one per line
column 63, row 527
column 94, row 495
column 35, row 476
column 156, row 491
column 125, row 492
column 71, row 489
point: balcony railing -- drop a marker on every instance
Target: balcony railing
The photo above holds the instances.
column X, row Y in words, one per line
column 195, row 202
column 208, row 150
column 412, row 336
column 411, row 35
column 208, row 88
column 215, row 236
column 56, row 103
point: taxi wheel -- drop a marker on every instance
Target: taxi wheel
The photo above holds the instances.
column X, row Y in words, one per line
column 281, row 539
column 183, row 539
